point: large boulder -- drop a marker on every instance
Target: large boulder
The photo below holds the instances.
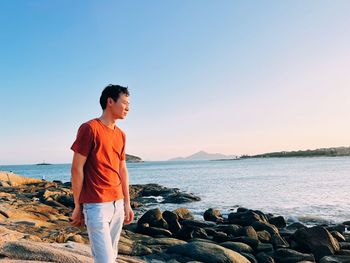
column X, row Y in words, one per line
column 335, row 259
column 238, row 247
column 246, row 218
column 208, row 252
column 180, row 198
column 278, row 221
column 14, row 179
column 284, row 255
column 247, row 231
column 263, row 257
column 197, row 223
column 318, row 240
column 153, row 231
column 213, row 215
column 154, row 218
column 173, row 221
column 183, row 213
column 27, row 250
column 228, row 229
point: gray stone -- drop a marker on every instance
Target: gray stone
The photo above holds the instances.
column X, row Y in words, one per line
column 27, row 250
column 285, row 255
column 213, row 215
column 208, row 252
column 237, row 246
column 278, row 221
column 335, row 259
column 317, row 240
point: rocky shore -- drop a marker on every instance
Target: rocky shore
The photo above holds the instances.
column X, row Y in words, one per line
column 34, row 228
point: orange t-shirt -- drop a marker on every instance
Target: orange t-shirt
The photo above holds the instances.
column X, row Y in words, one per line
column 104, row 149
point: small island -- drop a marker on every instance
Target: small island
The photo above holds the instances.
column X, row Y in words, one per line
column 43, row 163
column 133, row 159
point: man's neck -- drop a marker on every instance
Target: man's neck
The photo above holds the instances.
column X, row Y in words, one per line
column 107, row 120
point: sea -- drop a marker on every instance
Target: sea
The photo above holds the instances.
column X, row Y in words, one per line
column 310, row 190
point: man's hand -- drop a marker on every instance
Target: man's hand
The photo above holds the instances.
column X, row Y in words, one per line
column 77, row 218
column 128, row 214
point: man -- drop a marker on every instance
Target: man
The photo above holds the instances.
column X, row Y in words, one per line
column 100, row 178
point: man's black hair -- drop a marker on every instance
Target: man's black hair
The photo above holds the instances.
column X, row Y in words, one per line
column 112, row 91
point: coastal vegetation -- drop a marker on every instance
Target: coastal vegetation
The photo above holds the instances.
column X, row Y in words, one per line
column 322, row 152
column 133, row 158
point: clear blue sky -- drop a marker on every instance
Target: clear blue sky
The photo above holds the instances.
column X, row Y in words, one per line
column 236, row 77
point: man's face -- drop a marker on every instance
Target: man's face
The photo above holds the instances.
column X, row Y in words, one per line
column 120, row 107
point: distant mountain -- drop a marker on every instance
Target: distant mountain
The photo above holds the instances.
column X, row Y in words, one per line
column 202, row 156
column 327, row 152
column 133, row 159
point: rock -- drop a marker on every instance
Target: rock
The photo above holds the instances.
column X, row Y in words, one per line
column 250, row 257
column 264, row 236
column 4, row 184
column 156, row 190
column 14, row 179
column 213, row 215
column 4, row 214
column 76, row 238
column 259, row 226
column 154, row 218
column 132, row 248
column 278, row 221
column 245, row 218
column 247, row 231
column 345, row 252
column 344, row 245
column 340, row 228
column 296, row 226
column 238, row 247
column 32, row 238
column 183, row 213
column 172, row 220
column 208, row 252
column 335, row 259
column 228, row 229
column 318, row 240
column 252, row 242
column 196, row 223
column 164, row 241
column 346, row 223
column 215, row 234
column 262, row 257
column 185, row 234
column 264, row 247
column 242, row 209
column 284, row 255
column 153, row 231
column 199, row 233
column 180, row 198
column 27, row 250
column 338, row 236
column 26, row 222
column 278, row 241
column 9, row 235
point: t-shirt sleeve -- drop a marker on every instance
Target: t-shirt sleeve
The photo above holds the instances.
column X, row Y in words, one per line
column 84, row 141
column 123, row 154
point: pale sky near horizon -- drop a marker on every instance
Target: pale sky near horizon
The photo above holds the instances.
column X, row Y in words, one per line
column 234, row 77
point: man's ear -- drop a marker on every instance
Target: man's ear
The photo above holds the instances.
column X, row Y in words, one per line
column 109, row 101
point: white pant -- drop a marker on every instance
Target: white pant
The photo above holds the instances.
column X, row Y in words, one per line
column 104, row 222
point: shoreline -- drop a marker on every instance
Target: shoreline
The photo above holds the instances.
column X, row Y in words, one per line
column 307, row 219
column 37, row 212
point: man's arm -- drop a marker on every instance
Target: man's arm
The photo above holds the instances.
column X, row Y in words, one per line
column 77, row 172
column 123, row 172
